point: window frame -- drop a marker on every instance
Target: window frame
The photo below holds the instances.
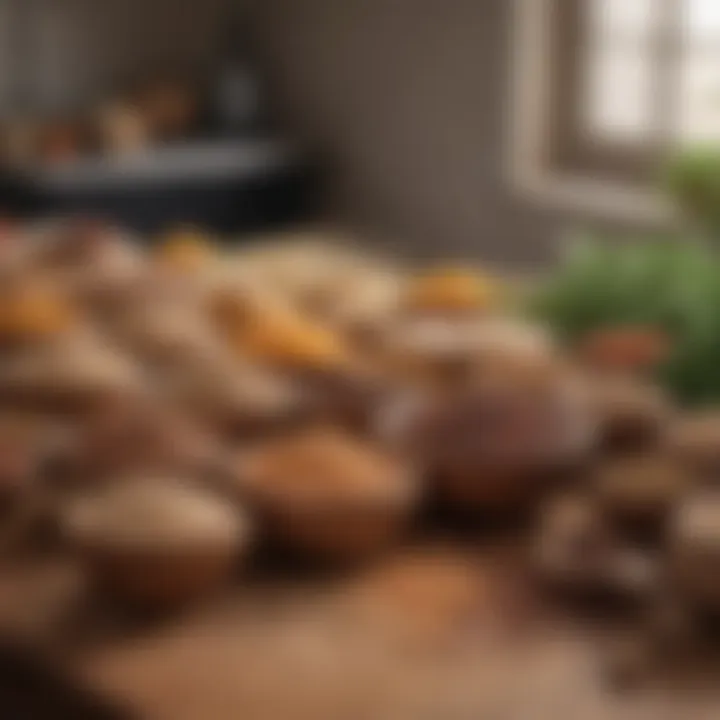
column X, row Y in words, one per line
column 551, row 159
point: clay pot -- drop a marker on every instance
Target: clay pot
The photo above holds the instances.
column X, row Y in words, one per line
column 625, row 349
column 639, row 491
column 327, row 496
column 694, row 550
column 632, row 414
column 502, row 443
column 156, row 543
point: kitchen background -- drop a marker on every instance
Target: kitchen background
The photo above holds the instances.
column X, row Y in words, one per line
column 406, row 102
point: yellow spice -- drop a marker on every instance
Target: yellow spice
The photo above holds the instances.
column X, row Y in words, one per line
column 451, row 289
column 186, row 250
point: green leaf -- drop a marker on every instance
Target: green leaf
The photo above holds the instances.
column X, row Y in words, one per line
column 669, row 284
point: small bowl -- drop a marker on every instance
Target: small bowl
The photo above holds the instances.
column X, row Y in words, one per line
column 639, row 491
column 694, row 550
column 328, row 496
column 632, row 414
column 156, row 543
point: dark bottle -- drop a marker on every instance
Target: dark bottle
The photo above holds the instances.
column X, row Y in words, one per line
column 237, row 103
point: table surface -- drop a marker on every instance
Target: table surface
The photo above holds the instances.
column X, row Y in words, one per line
column 433, row 631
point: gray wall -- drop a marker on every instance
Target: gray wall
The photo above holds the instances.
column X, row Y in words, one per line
column 404, row 97
column 407, row 97
column 61, row 51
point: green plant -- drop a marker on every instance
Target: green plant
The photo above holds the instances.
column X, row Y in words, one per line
column 673, row 286
column 692, row 177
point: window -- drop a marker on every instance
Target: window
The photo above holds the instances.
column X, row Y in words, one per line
column 620, row 70
column 632, row 62
column 622, row 81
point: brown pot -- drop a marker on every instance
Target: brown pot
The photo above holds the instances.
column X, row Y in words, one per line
column 501, row 444
column 632, row 414
column 327, row 496
column 694, row 550
column 633, row 349
column 155, row 543
column 641, row 490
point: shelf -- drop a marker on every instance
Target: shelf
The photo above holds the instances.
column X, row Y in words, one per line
column 197, row 162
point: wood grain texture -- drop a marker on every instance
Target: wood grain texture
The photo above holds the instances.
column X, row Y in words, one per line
column 430, row 633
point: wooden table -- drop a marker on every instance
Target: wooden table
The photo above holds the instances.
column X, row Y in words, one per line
column 437, row 631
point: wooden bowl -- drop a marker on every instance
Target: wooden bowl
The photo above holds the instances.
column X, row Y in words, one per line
column 326, row 495
column 639, row 491
column 156, row 543
column 694, row 550
column 632, row 414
